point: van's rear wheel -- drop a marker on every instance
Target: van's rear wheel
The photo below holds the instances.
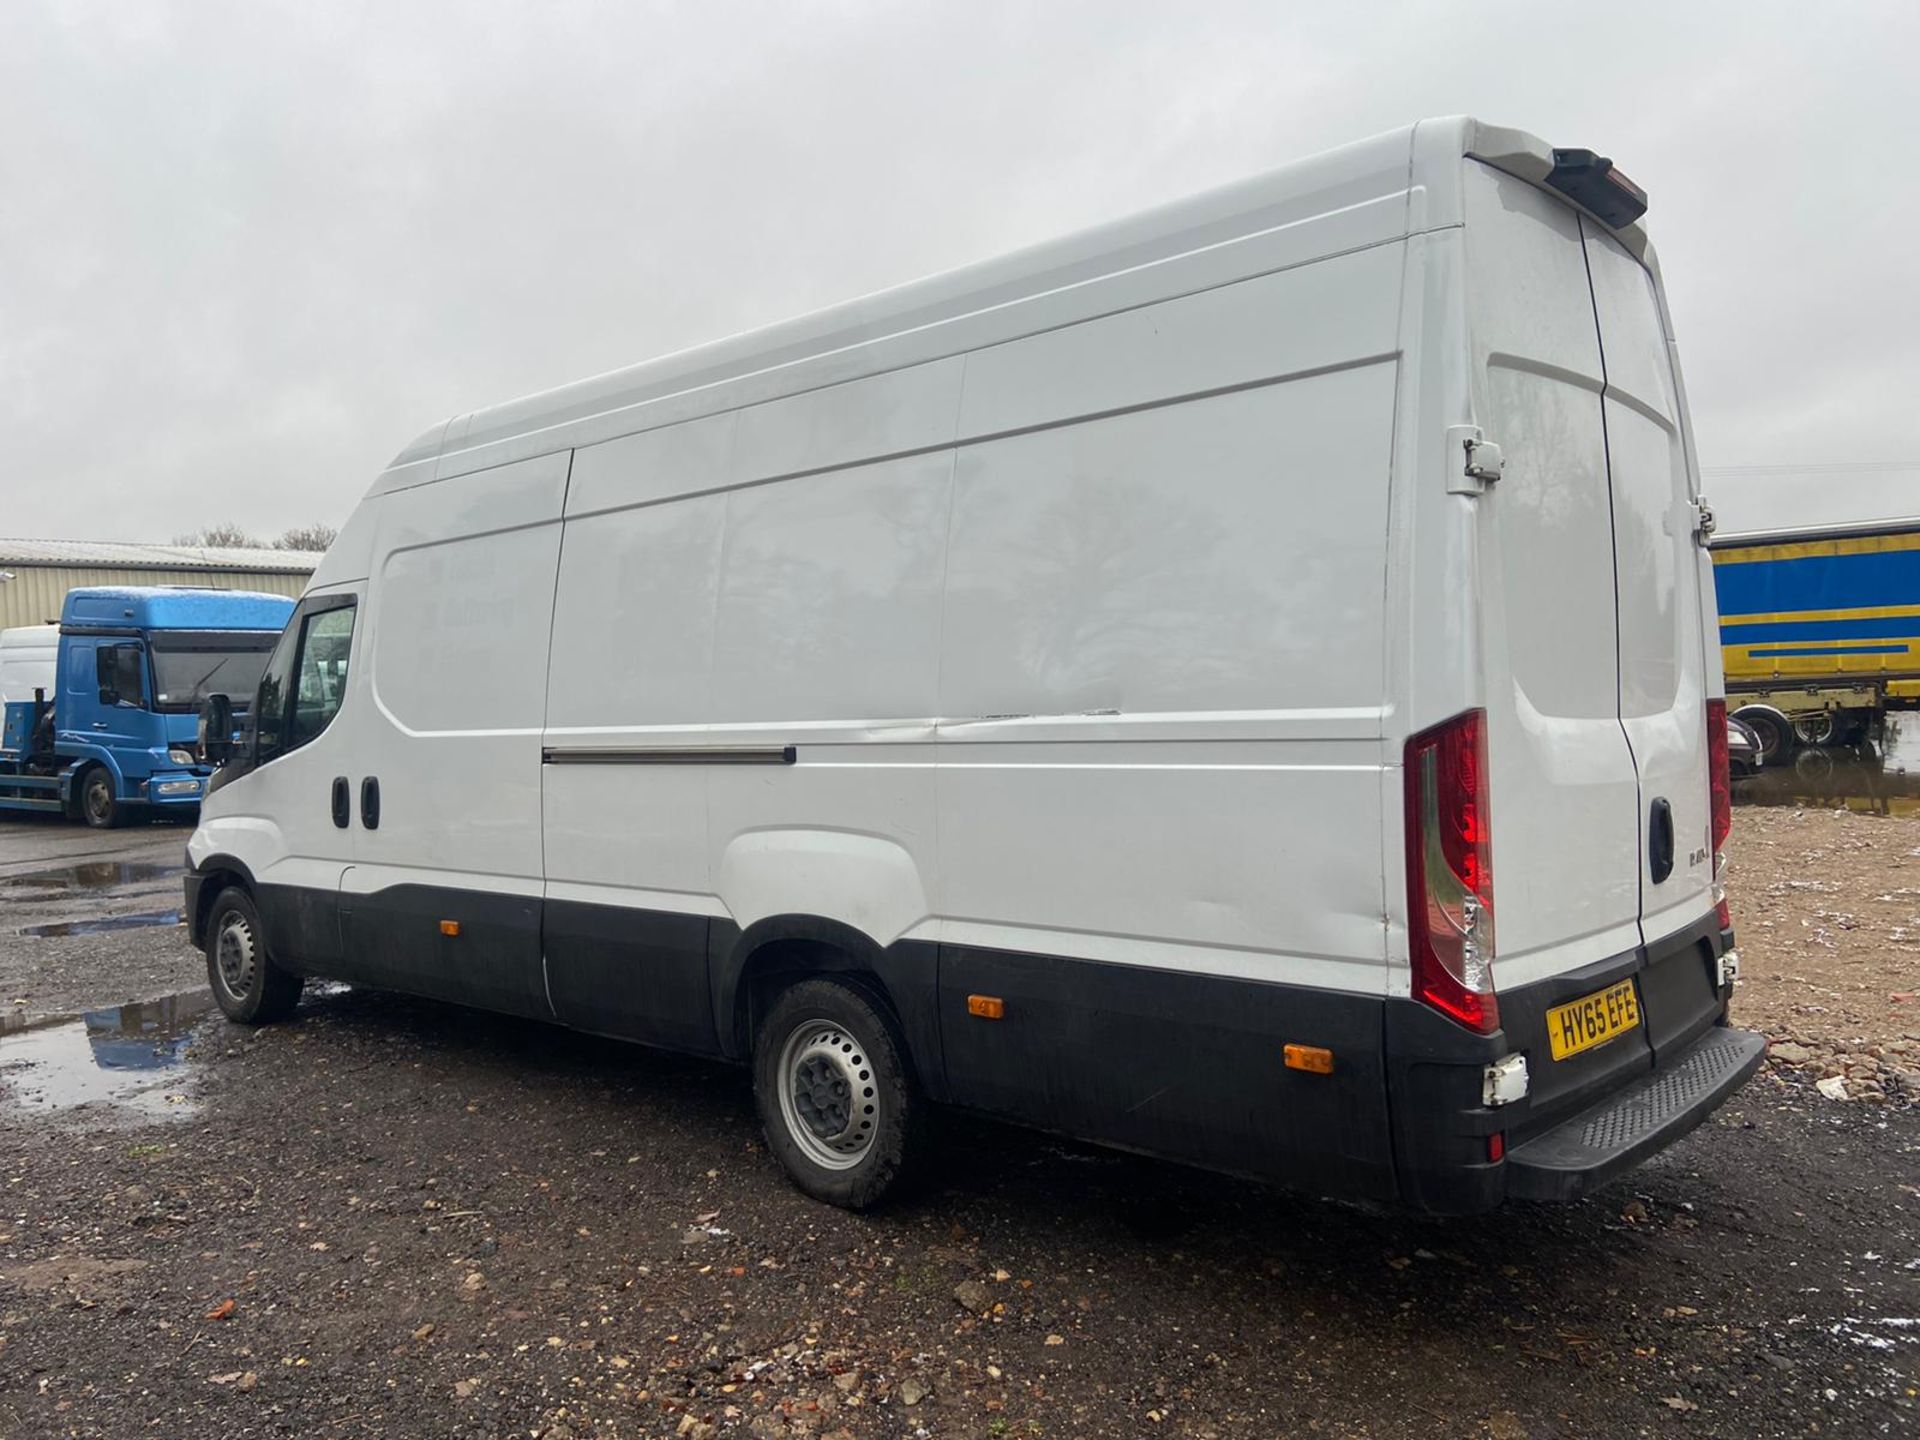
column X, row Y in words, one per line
column 246, row 983
column 99, row 806
column 838, row 1103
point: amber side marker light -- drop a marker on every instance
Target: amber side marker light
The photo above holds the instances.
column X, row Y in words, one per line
column 449, row 927
column 1314, row 1059
column 987, row 1007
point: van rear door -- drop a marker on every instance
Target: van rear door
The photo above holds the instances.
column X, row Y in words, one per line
column 1663, row 673
column 1563, row 790
column 1595, row 668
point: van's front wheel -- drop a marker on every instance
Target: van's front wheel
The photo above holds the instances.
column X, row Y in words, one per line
column 836, row 1098
column 246, row 984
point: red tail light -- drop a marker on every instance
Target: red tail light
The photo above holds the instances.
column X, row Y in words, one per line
column 1720, row 804
column 1450, row 871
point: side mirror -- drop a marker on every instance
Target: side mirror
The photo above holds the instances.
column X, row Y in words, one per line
column 216, row 729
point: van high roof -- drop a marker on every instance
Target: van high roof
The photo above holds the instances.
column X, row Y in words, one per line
column 1377, row 191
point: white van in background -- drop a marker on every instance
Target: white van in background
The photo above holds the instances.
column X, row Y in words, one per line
column 1238, row 684
column 29, row 660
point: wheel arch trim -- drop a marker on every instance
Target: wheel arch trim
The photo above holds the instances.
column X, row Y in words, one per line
column 202, row 891
column 903, row 976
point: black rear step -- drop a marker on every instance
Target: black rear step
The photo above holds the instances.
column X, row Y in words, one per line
column 1584, row 1152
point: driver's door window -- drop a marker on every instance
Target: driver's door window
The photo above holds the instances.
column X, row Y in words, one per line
column 122, row 675
column 322, row 683
column 306, row 679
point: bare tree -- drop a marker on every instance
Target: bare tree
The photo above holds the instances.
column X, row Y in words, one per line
column 307, row 537
column 227, row 536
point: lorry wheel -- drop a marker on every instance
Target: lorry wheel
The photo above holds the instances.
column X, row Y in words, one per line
column 99, row 806
column 1773, row 731
column 1818, row 729
column 839, row 1105
column 246, row 984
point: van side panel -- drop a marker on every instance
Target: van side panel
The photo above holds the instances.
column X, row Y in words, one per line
column 632, row 664
column 828, row 637
column 460, row 603
column 1179, row 613
column 628, row 885
column 1159, row 842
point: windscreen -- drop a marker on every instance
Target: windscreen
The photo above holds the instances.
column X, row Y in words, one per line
column 189, row 665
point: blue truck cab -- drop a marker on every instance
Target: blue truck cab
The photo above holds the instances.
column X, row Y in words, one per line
column 118, row 735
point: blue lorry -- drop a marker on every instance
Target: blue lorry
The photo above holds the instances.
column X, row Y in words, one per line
column 118, row 735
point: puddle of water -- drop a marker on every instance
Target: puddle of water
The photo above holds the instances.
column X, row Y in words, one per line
column 129, row 1059
column 93, row 875
column 103, row 923
column 1870, row 779
column 1823, row 781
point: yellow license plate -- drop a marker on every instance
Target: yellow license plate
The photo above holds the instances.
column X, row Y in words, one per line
column 1592, row 1019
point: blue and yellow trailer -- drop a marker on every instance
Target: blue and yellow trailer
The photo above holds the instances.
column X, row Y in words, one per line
column 1819, row 631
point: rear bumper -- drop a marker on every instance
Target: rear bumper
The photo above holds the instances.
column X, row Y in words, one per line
column 1460, row 1150
column 1615, row 1135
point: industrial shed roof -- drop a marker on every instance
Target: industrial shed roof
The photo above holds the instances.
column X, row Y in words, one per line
column 97, row 553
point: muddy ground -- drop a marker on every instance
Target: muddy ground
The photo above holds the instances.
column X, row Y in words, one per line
column 1827, row 904
column 396, row 1218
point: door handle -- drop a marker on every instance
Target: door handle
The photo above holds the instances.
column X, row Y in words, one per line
column 370, row 802
column 1660, row 840
column 342, row 802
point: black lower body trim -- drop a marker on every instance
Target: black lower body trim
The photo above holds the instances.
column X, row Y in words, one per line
column 394, row 939
column 634, row 974
column 1184, row 1066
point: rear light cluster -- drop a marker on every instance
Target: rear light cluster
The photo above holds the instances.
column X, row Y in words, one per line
column 1720, row 806
column 1450, row 871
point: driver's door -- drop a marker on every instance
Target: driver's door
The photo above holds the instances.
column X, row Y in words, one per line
column 294, row 792
column 118, row 720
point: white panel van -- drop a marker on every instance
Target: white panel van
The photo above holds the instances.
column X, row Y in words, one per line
column 1238, row 684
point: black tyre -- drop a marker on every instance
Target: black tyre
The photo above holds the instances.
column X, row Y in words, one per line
column 246, row 984
column 1777, row 740
column 837, row 1100
column 99, row 806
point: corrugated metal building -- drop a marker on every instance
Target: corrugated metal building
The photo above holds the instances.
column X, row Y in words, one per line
column 35, row 575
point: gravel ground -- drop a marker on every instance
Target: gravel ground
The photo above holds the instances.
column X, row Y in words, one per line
column 1827, row 903
column 399, row 1218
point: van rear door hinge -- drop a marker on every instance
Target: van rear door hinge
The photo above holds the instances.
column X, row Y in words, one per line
column 1703, row 522
column 1478, row 458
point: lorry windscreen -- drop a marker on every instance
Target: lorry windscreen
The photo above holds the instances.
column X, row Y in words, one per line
column 189, row 665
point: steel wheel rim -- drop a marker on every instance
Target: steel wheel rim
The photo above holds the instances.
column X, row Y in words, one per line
column 829, row 1100
column 99, row 798
column 1817, row 730
column 235, row 956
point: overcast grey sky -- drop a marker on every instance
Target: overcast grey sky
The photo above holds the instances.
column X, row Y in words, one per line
column 248, row 250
